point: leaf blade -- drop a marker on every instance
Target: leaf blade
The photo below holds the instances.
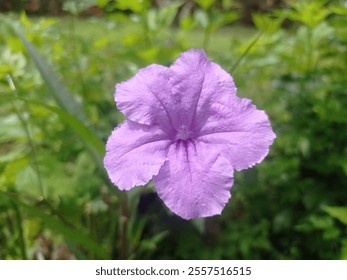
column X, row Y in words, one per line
column 72, row 234
column 93, row 143
column 57, row 89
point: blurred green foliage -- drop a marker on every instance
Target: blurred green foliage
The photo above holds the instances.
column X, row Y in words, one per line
column 56, row 93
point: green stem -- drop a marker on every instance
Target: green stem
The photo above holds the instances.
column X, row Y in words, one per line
column 207, row 36
column 146, row 32
column 309, row 49
column 75, row 56
column 255, row 40
column 123, row 222
column 22, row 244
column 42, row 202
column 25, row 126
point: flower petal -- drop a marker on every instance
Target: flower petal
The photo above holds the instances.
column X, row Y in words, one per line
column 195, row 181
column 196, row 82
column 134, row 153
column 176, row 96
column 145, row 97
column 240, row 132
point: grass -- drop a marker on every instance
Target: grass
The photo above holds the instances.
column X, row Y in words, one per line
column 221, row 40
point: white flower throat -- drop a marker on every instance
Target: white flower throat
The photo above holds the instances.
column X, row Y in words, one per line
column 183, row 133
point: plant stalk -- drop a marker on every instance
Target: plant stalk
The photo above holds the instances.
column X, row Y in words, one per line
column 123, row 222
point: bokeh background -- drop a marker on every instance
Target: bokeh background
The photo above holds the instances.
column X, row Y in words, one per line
column 59, row 62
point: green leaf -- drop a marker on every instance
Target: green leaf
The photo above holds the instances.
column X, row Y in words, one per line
column 205, row 4
column 187, row 22
column 26, row 178
column 57, row 89
column 339, row 10
column 201, row 17
column 151, row 243
column 137, row 6
column 76, row 7
column 72, row 234
column 309, row 13
column 24, row 20
column 18, row 152
column 151, row 21
column 167, row 14
column 266, row 23
column 93, row 143
column 337, row 212
column 102, row 3
column 218, row 20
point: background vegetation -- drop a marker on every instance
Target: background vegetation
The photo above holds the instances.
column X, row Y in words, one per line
column 57, row 78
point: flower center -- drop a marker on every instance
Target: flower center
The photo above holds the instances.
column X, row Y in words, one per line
column 183, row 133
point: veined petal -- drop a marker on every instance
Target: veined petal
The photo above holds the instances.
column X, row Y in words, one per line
column 145, row 98
column 195, row 181
column 174, row 97
column 240, row 132
column 134, row 154
column 196, row 83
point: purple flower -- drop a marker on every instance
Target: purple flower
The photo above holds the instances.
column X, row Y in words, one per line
column 188, row 131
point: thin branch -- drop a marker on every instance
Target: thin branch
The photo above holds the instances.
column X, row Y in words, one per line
column 25, row 126
column 255, row 40
column 123, row 223
column 22, row 244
